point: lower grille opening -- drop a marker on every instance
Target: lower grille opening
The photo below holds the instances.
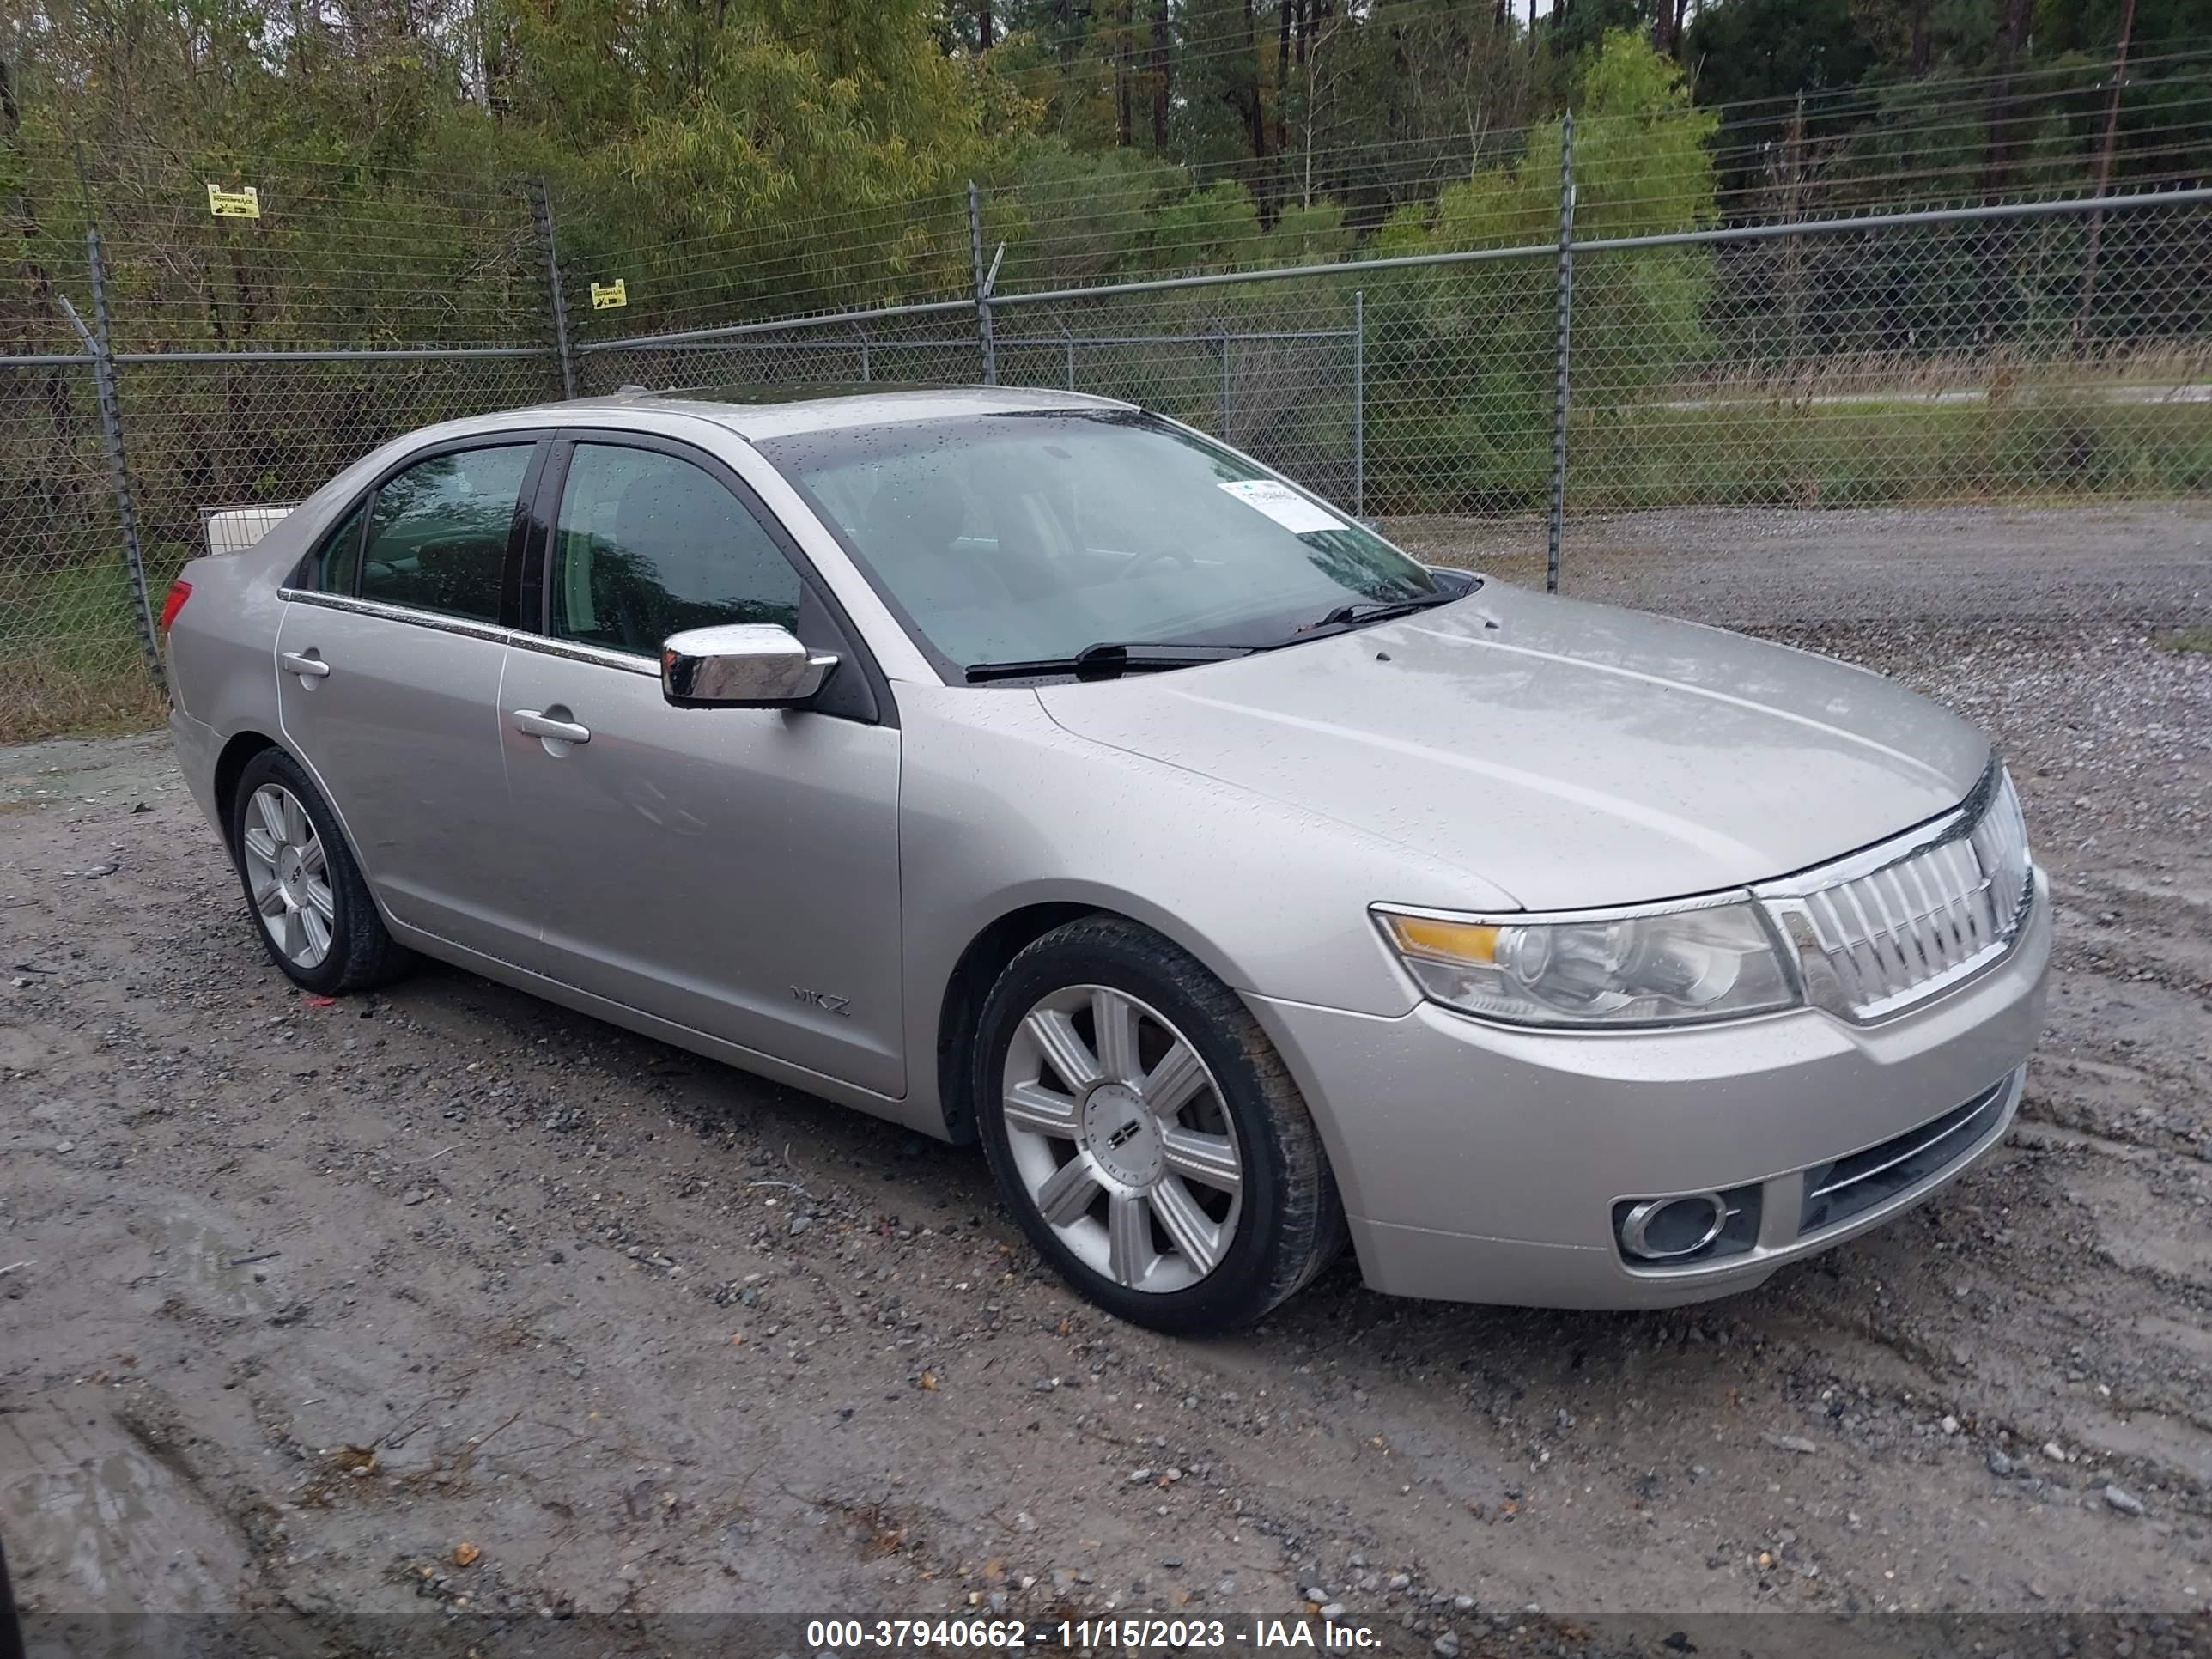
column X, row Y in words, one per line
column 1836, row 1192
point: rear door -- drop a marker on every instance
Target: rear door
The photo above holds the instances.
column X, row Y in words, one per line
column 389, row 658
column 732, row 870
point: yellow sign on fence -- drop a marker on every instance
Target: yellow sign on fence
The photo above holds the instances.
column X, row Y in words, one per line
column 606, row 296
column 235, row 204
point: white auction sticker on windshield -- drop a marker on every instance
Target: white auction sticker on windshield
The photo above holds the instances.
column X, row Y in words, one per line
column 1284, row 505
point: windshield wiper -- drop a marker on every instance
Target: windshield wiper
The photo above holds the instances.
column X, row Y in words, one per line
column 1108, row 662
column 1346, row 614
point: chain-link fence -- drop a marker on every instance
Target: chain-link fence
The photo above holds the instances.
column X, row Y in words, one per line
column 1647, row 371
column 1925, row 359
column 229, row 348
column 1912, row 359
column 1287, row 395
column 69, row 651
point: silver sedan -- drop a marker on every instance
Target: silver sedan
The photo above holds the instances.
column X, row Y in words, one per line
column 1029, row 768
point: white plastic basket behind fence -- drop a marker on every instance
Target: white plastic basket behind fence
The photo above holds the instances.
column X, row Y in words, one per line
column 235, row 529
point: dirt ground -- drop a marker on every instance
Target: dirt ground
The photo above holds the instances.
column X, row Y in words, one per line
column 1757, row 566
column 445, row 1299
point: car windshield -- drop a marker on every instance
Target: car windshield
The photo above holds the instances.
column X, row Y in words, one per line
column 1030, row 535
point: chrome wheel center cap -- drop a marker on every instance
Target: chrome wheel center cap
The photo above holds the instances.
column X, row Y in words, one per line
column 1120, row 1135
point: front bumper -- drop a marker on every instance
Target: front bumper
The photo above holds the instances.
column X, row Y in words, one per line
column 1479, row 1163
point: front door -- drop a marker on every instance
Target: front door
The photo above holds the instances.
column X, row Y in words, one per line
column 732, row 870
column 389, row 657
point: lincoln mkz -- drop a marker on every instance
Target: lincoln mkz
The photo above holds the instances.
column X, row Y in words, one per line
column 1029, row 769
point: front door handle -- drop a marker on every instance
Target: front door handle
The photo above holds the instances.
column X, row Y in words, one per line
column 307, row 668
column 531, row 724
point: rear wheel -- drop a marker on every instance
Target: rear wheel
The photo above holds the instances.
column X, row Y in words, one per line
column 306, row 895
column 1146, row 1134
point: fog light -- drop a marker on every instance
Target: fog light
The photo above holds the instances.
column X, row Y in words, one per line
column 1663, row 1229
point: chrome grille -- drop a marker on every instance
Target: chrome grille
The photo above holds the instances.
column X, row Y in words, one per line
column 1880, row 930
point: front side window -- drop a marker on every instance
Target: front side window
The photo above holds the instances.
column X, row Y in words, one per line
column 648, row 544
column 1031, row 534
column 438, row 532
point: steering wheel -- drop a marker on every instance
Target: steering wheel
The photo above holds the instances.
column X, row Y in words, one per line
column 1146, row 560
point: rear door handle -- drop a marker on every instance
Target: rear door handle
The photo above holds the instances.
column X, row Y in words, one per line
column 531, row 724
column 307, row 668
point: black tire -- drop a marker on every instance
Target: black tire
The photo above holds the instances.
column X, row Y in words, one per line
column 1291, row 1224
column 361, row 954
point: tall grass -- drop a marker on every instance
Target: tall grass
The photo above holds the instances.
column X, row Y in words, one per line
column 69, row 654
column 2002, row 373
column 1887, row 452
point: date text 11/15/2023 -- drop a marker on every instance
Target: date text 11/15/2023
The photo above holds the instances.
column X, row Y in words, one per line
column 1104, row 1634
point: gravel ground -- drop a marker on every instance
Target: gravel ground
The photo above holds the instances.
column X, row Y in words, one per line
column 1757, row 566
column 445, row 1299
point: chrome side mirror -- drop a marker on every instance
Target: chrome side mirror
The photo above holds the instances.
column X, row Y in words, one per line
column 741, row 666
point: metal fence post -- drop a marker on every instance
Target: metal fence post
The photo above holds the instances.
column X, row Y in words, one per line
column 983, row 286
column 99, row 340
column 1359, row 403
column 1565, row 322
column 1067, row 341
column 867, row 367
column 1222, row 345
column 541, row 208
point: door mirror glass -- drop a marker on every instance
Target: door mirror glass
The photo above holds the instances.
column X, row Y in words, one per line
column 741, row 666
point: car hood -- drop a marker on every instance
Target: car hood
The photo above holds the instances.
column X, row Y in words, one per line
column 1573, row 755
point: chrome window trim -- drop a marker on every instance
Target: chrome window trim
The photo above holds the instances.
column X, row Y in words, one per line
column 595, row 655
column 649, row 667
column 468, row 627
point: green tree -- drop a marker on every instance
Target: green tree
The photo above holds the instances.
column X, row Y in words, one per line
column 766, row 153
column 1773, row 49
column 1471, row 345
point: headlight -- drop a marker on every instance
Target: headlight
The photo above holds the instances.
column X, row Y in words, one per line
column 1714, row 961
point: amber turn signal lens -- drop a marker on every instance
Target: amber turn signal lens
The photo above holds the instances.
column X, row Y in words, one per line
column 1461, row 941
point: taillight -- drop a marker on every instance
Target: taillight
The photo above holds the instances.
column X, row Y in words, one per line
column 179, row 592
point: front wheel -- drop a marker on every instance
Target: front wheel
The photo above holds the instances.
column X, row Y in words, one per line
column 1146, row 1134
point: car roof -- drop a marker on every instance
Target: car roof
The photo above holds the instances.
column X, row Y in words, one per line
column 776, row 412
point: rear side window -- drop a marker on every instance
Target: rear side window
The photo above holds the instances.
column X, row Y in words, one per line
column 337, row 562
column 438, row 532
column 649, row 545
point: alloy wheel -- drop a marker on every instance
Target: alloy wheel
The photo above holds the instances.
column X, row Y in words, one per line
column 289, row 876
column 1119, row 1134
